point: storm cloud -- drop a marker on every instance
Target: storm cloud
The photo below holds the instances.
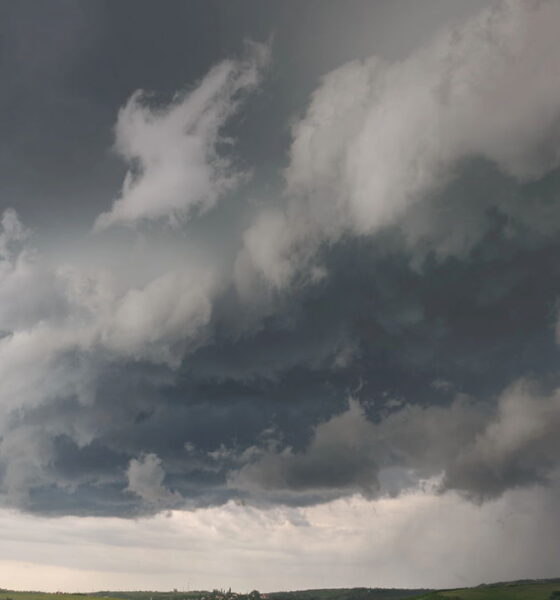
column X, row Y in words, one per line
column 373, row 309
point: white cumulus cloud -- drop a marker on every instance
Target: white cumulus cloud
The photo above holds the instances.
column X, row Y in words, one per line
column 175, row 166
column 379, row 137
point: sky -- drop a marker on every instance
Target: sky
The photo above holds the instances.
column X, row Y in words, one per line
column 279, row 293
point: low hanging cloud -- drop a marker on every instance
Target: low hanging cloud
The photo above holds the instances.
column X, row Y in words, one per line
column 479, row 451
column 176, row 166
column 388, row 539
column 340, row 460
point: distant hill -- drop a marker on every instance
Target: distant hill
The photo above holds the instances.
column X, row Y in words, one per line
column 349, row 594
column 523, row 589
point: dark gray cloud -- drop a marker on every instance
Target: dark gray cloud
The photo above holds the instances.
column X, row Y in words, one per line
column 67, row 68
column 272, row 315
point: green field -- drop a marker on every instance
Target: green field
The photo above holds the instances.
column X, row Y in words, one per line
column 8, row 595
column 531, row 591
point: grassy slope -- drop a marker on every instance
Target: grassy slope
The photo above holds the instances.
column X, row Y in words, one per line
column 532, row 591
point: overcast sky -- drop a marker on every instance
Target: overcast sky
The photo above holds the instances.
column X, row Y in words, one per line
column 279, row 292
